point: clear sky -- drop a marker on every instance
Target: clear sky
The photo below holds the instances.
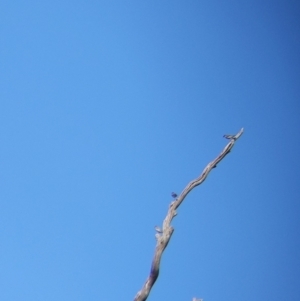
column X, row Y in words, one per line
column 109, row 106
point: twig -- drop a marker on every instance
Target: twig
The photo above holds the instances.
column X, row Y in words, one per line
column 163, row 235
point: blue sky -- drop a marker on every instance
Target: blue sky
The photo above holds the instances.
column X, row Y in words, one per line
column 109, row 106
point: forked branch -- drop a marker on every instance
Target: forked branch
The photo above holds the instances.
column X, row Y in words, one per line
column 163, row 235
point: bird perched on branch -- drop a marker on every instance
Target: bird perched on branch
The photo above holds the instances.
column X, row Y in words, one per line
column 158, row 229
column 229, row 136
column 174, row 195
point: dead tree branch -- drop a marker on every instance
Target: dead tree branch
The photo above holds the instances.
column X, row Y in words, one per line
column 163, row 235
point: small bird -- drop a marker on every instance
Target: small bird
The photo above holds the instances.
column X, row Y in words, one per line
column 229, row 136
column 174, row 195
column 158, row 229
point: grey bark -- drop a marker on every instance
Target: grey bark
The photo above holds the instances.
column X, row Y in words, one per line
column 163, row 235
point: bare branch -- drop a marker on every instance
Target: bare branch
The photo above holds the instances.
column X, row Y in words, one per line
column 163, row 235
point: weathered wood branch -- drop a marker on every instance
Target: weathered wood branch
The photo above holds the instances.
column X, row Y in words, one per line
column 163, row 236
